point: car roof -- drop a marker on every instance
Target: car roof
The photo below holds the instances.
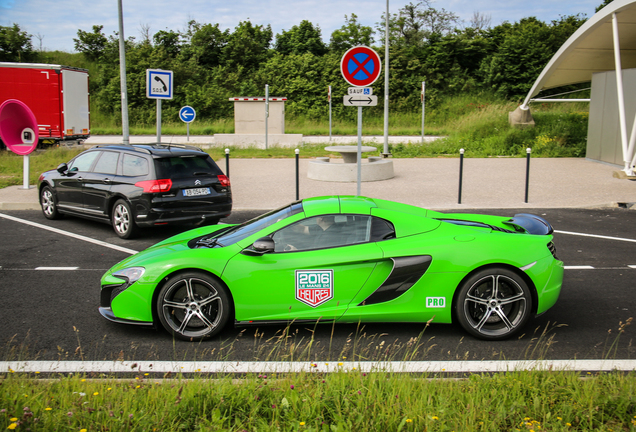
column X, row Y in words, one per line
column 156, row 149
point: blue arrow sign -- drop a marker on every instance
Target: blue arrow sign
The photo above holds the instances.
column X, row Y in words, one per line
column 187, row 114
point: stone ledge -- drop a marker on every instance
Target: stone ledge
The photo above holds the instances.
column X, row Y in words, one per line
column 258, row 141
column 322, row 170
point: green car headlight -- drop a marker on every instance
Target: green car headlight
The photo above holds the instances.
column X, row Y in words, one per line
column 130, row 274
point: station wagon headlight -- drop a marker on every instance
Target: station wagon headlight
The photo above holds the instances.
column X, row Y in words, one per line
column 130, row 274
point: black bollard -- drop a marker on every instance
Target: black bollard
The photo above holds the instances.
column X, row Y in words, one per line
column 227, row 162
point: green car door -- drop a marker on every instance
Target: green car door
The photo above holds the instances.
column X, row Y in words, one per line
column 313, row 272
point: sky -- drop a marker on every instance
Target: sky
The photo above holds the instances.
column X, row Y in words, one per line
column 56, row 22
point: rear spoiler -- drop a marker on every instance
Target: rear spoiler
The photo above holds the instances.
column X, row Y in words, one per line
column 530, row 223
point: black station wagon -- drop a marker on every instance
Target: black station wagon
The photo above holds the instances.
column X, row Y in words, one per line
column 132, row 186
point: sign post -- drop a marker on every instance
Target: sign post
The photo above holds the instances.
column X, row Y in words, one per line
column 423, row 97
column 187, row 114
column 159, row 85
column 329, row 99
column 360, row 66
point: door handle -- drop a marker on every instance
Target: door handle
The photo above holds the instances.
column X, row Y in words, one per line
column 107, row 180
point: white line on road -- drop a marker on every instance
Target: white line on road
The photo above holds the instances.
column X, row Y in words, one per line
column 595, row 236
column 486, row 366
column 70, row 234
column 56, row 268
column 578, row 267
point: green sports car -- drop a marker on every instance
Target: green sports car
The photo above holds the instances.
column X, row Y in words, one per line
column 344, row 259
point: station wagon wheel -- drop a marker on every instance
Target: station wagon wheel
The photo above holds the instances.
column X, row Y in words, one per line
column 193, row 306
column 493, row 304
column 123, row 220
column 48, row 204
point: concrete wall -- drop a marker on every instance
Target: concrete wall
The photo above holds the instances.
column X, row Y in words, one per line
column 603, row 133
column 249, row 117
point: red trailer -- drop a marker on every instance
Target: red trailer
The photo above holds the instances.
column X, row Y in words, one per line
column 57, row 95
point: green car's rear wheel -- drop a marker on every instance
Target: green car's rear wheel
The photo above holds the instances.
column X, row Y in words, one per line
column 494, row 304
column 193, row 306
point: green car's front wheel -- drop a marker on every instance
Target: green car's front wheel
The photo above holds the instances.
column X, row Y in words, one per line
column 193, row 306
column 494, row 304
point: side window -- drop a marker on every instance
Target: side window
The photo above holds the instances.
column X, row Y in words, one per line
column 107, row 163
column 134, row 166
column 381, row 230
column 84, row 161
column 323, row 232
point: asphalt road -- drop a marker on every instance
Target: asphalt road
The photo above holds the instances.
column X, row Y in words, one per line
column 51, row 314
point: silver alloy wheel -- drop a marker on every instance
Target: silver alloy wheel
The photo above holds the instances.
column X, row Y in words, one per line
column 121, row 218
column 192, row 307
column 47, row 202
column 495, row 305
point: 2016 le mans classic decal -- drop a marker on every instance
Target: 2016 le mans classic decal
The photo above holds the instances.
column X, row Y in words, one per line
column 314, row 287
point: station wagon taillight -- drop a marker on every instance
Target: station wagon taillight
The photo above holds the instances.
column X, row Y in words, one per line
column 225, row 182
column 155, row 186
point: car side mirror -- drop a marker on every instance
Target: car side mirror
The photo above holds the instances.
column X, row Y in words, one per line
column 62, row 168
column 261, row 246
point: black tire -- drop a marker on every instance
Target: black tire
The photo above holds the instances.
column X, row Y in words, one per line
column 48, row 202
column 493, row 304
column 122, row 219
column 193, row 306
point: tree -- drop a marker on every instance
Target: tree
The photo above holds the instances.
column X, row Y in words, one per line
column 301, row 39
column 15, row 44
column 168, row 40
column 416, row 23
column 207, row 43
column 350, row 34
column 247, row 46
column 92, row 45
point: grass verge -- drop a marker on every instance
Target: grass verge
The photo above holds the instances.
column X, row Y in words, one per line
column 341, row 401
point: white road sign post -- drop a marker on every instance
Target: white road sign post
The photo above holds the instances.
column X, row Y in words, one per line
column 159, row 85
column 329, row 99
column 360, row 66
column 423, row 96
column 187, row 114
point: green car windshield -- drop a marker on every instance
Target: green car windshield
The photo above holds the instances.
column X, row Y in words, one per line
column 246, row 229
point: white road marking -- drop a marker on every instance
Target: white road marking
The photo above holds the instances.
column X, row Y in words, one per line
column 595, row 236
column 56, row 268
column 486, row 366
column 70, row 234
column 578, row 267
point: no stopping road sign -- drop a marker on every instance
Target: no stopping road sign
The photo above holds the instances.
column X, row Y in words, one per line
column 360, row 66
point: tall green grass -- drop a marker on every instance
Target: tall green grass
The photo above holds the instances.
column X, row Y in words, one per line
column 341, row 401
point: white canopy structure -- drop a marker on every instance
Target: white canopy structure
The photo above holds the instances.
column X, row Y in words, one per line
column 606, row 42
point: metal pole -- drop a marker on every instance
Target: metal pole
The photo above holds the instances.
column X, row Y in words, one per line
column 619, row 89
column 297, row 175
column 188, row 131
column 227, row 162
column 122, row 75
column 359, row 148
column 461, row 174
column 158, row 120
column 25, row 172
column 266, row 111
column 386, row 82
column 528, row 150
column 329, row 113
column 423, row 107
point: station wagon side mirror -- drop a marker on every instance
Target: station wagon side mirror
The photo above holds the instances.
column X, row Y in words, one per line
column 62, row 168
column 261, row 246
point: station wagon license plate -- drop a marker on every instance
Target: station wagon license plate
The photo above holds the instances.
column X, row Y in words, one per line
column 196, row 192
